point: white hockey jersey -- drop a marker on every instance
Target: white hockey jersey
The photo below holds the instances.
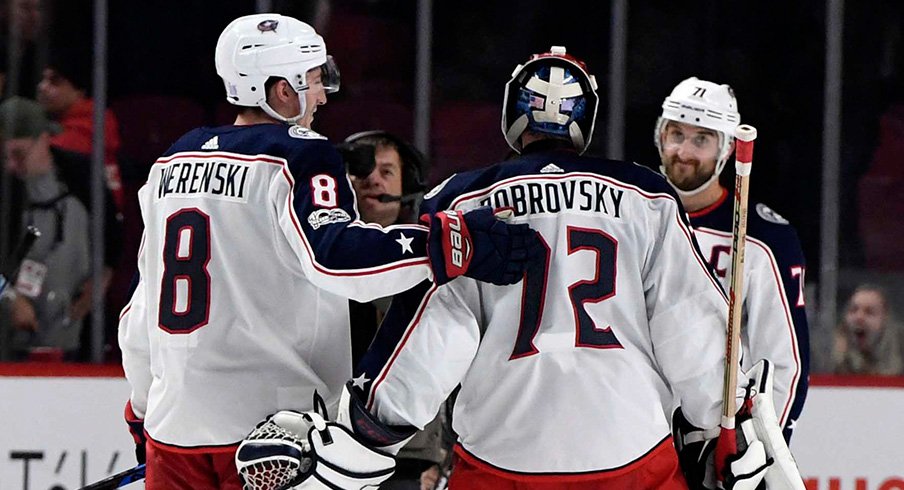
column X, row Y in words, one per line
column 571, row 371
column 774, row 320
column 251, row 247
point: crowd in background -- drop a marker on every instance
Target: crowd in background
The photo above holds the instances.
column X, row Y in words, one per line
column 163, row 84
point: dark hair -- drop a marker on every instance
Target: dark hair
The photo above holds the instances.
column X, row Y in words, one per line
column 870, row 287
column 74, row 63
column 413, row 161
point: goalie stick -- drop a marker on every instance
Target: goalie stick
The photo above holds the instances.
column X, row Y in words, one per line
column 745, row 136
column 119, row 480
column 9, row 275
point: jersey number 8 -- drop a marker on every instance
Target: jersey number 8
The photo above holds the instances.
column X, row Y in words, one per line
column 185, row 289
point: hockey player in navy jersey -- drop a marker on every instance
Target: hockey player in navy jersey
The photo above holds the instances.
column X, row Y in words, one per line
column 566, row 379
column 695, row 138
column 252, row 247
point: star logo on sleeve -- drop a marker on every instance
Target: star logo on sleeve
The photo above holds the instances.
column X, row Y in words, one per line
column 405, row 242
column 361, row 381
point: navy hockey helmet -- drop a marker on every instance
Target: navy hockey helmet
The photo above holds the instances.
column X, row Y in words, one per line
column 551, row 94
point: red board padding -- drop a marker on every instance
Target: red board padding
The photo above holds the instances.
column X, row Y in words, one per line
column 61, row 369
column 857, row 381
column 71, row 369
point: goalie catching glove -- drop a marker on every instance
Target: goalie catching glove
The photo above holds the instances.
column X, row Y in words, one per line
column 758, row 454
column 480, row 245
column 301, row 451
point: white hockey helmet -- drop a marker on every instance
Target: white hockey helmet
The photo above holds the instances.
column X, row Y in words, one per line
column 705, row 104
column 552, row 94
column 256, row 47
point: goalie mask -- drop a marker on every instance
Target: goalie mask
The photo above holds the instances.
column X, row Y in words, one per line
column 254, row 48
column 705, row 104
column 551, row 94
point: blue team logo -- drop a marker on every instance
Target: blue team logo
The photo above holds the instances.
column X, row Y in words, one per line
column 323, row 217
column 268, row 25
column 769, row 215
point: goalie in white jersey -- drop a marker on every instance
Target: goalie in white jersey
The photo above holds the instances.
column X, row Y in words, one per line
column 695, row 138
column 565, row 378
column 252, row 247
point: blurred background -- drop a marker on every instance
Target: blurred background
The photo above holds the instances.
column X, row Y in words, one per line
column 821, row 80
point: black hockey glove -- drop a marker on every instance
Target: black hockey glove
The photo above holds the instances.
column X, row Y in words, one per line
column 479, row 245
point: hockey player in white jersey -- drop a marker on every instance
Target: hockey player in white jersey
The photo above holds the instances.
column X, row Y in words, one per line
column 565, row 379
column 252, row 247
column 695, row 138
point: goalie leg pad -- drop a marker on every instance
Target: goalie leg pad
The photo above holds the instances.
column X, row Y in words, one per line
column 783, row 474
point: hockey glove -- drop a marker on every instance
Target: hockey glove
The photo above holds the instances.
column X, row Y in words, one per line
column 695, row 451
column 304, row 451
column 479, row 245
column 136, row 428
column 753, row 453
column 743, row 469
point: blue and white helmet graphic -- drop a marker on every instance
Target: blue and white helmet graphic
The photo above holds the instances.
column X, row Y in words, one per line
column 551, row 94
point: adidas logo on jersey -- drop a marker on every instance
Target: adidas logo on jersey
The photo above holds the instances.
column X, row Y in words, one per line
column 211, row 144
column 551, row 168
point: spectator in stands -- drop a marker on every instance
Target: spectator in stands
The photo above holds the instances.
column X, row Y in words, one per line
column 52, row 293
column 64, row 92
column 23, row 46
column 867, row 340
column 388, row 188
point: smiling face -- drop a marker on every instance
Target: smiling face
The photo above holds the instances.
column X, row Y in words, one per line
column 689, row 154
column 386, row 178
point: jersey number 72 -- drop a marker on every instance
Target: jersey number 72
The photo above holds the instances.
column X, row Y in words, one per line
column 600, row 288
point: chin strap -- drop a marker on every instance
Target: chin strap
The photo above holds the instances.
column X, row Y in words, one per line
column 279, row 117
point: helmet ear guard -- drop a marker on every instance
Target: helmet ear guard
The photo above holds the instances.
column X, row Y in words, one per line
column 551, row 94
column 254, row 48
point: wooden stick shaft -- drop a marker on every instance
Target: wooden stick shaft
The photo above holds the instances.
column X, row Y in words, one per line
column 744, row 160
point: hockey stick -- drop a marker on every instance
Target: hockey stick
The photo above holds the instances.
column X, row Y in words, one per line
column 9, row 275
column 745, row 136
column 119, row 480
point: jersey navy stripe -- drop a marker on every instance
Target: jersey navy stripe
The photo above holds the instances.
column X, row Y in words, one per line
column 400, row 322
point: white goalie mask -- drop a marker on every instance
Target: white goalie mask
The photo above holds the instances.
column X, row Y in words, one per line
column 552, row 93
column 254, row 48
column 705, row 104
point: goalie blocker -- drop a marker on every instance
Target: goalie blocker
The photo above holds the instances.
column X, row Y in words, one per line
column 762, row 454
column 293, row 450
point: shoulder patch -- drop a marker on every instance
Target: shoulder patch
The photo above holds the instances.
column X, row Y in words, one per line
column 305, row 133
column 438, row 188
column 769, row 215
column 322, row 217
